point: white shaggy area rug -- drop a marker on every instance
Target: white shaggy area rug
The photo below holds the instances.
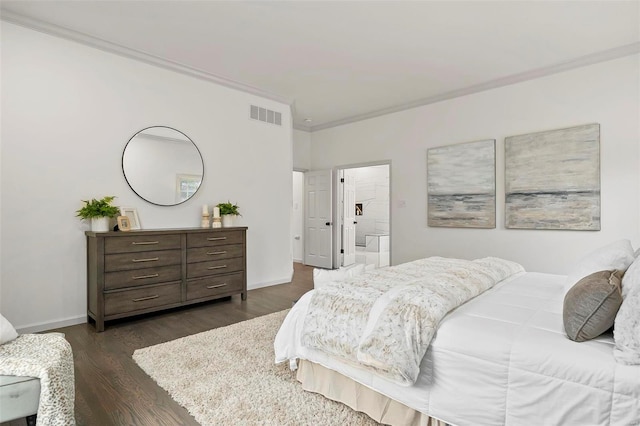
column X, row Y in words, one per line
column 227, row 376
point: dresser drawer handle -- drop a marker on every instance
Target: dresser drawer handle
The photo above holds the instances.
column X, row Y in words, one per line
column 150, row 259
column 145, row 243
column 216, row 238
column 217, row 267
column 142, row 299
column 212, row 253
column 141, row 277
column 216, row 286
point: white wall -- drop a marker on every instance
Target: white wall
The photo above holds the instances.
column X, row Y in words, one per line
column 301, row 150
column 605, row 93
column 67, row 112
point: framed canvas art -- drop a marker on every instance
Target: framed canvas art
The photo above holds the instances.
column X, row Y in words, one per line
column 461, row 185
column 552, row 179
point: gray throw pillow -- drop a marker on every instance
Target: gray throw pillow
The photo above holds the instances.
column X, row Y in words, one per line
column 591, row 305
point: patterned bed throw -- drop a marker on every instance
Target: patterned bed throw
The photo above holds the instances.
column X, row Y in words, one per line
column 386, row 319
column 48, row 357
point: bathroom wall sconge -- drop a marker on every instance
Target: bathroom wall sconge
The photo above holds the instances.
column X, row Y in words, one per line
column 358, row 209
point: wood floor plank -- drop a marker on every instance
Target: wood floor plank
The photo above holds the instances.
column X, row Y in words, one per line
column 110, row 387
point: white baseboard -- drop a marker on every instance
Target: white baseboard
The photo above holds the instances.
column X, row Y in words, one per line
column 298, row 260
column 46, row 326
column 284, row 280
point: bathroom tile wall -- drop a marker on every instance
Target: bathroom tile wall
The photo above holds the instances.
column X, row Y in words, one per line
column 372, row 190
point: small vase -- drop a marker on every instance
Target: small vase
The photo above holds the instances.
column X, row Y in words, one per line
column 227, row 220
column 100, row 224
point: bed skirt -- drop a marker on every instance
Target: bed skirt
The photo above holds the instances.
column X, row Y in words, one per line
column 337, row 387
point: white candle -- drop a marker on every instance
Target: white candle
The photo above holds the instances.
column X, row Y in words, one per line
column 216, row 212
column 205, row 210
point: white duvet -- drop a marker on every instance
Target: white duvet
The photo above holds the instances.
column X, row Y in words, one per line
column 501, row 358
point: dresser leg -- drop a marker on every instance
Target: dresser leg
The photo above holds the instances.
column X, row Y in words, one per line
column 99, row 326
column 31, row 420
column 243, row 295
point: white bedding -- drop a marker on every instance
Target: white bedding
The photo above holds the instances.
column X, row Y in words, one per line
column 502, row 358
column 386, row 319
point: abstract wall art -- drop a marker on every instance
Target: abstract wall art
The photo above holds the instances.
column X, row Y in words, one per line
column 552, row 179
column 461, row 185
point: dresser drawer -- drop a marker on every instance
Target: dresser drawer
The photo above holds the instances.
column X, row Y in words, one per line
column 215, row 267
column 203, row 254
column 206, row 239
column 136, row 243
column 142, row 271
column 138, row 277
column 148, row 259
column 200, row 288
column 142, row 298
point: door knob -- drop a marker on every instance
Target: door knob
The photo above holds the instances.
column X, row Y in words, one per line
column 328, row 223
column 355, row 222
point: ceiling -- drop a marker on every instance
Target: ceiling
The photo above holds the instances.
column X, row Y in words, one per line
column 342, row 61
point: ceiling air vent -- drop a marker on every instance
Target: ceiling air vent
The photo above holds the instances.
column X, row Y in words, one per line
column 266, row 115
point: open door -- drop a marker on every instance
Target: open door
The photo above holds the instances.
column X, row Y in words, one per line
column 318, row 219
column 348, row 219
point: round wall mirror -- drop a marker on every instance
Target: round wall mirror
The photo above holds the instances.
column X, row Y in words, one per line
column 162, row 165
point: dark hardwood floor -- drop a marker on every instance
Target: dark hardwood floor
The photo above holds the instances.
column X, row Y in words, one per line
column 110, row 387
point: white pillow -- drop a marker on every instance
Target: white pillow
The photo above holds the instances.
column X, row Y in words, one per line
column 355, row 270
column 618, row 255
column 626, row 329
column 631, row 278
column 7, row 332
column 323, row 276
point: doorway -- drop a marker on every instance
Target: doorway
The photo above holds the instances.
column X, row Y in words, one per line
column 342, row 217
column 363, row 231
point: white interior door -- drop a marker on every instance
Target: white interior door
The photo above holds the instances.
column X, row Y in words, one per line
column 318, row 219
column 297, row 222
column 348, row 219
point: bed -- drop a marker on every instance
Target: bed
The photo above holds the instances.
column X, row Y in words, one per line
column 501, row 358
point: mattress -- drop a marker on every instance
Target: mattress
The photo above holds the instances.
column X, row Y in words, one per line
column 501, row 358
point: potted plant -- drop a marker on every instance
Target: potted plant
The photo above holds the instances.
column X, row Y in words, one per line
column 228, row 211
column 99, row 211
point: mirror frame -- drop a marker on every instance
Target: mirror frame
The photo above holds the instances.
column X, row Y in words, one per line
column 136, row 192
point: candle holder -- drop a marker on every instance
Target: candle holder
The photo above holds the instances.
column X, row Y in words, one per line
column 217, row 222
column 205, row 221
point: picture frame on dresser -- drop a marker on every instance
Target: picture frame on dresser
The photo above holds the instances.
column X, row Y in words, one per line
column 132, row 214
column 124, row 224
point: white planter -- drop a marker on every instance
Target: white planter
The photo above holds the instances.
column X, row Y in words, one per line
column 227, row 220
column 99, row 224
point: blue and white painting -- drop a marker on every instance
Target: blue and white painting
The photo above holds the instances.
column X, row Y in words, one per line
column 552, row 179
column 461, row 185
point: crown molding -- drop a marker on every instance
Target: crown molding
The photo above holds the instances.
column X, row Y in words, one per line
column 297, row 126
column 594, row 58
column 98, row 43
column 107, row 46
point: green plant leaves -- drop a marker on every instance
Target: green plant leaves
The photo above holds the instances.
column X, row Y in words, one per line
column 98, row 208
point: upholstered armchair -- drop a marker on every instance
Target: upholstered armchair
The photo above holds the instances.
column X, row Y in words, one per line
column 36, row 377
column 19, row 398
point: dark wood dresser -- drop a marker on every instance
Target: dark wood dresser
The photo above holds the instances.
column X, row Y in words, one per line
column 136, row 272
